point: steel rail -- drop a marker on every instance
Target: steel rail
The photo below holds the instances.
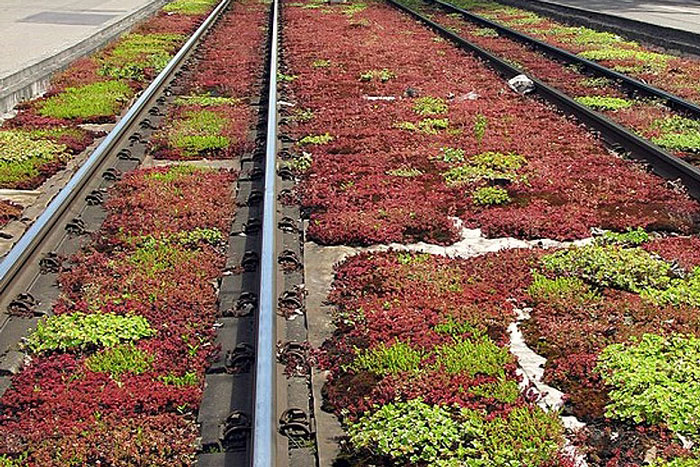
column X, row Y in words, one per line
column 265, row 388
column 674, row 101
column 33, row 237
column 617, row 136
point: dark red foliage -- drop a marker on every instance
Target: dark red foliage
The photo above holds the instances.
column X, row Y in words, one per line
column 165, row 23
column 559, row 74
column 80, row 73
column 404, row 298
column 233, row 67
column 684, row 250
column 196, row 198
column 57, row 406
column 573, row 182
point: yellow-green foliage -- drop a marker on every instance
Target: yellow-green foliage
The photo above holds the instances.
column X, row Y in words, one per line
column 83, row 331
column 120, row 359
column 136, row 52
column 22, row 155
column 490, row 195
column 189, row 7
column 199, row 131
column 486, row 166
column 101, row 99
column 430, row 106
column 605, row 103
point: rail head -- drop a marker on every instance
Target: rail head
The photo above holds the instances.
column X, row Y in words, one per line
column 264, row 425
column 38, row 231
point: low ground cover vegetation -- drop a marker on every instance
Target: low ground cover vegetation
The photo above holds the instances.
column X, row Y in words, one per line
column 215, row 115
column 421, row 353
column 398, row 159
column 678, row 75
column 116, row 374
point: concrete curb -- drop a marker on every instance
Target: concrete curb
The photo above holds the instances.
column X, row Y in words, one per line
column 35, row 79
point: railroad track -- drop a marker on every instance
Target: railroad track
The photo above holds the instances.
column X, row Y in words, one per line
column 239, row 413
column 615, row 135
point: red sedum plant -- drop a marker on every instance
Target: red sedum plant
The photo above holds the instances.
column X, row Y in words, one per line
column 156, row 257
column 374, row 136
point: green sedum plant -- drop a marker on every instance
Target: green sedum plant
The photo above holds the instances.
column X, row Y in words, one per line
column 451, row 155
column 632, row 237
column 655, row 380
column 631, row 269
column 382, row 75
column 199, row 131
column 409, row 432
column 22, row 155
column 486, row 166
column 475, row 355
column 414, row 432
column 206, row 100
column 101, row 99
column 430, row 106
column 681, row 291
column 566, row 289
column 134, row 53
column 490, row 196
column 83, row 331
column 432, row 126
column 503, row 390
column 188, row 379
column 316, row 139
column 604, row 103
column 677, row 133
column 189, row 7
column 485, row 32
column 387, row 359
column 301, row 163
column 119, row 360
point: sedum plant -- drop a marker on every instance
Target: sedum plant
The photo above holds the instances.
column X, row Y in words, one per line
column 83, row 331
column 490, row 195
column 382, row 75
column 386, row 359
column 604, row 103
column 119, row 360
column 22, row 155
column 414, row 432
column 430, row 106
column 409, row 432
column 656, row 380
column 101, row 99
column 631, row 269
column 199, row 131
column 316, row 139
column 134, row 53
column 189, row 7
